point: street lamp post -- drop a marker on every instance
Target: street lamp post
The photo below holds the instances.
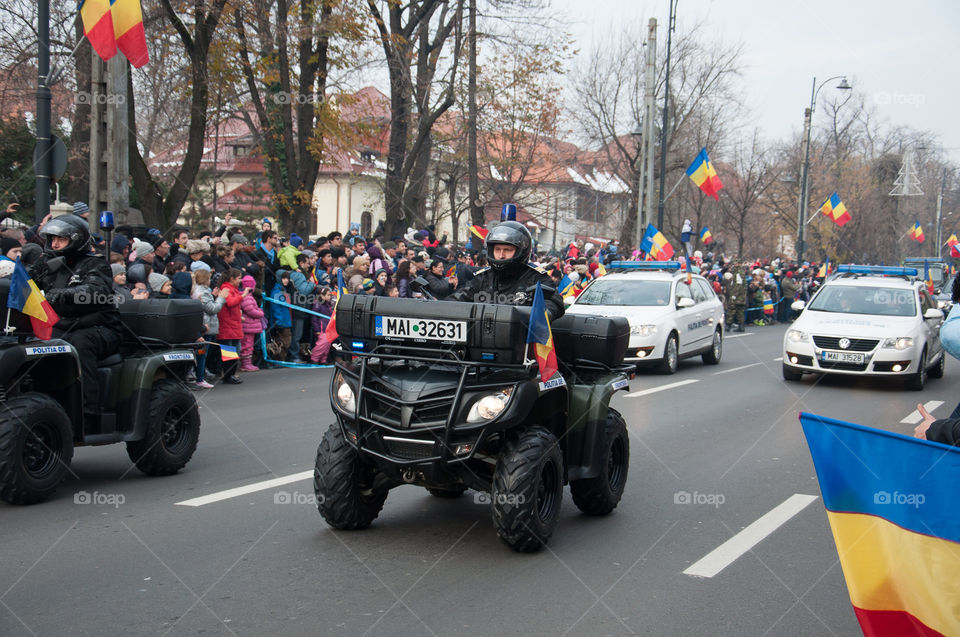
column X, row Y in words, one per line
column 804, row 172
column 638, row 169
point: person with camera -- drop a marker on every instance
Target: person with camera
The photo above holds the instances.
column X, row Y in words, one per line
column 510, row 279
column 78, row 284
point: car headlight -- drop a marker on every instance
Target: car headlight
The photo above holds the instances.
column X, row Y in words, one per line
column 343, row 394
column 490, row 406
column 903, row 342
column 797, row 336
column 643, row 330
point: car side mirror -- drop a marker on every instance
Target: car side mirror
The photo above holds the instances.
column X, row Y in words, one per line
column 568, row 301
column 685, row 302
column 797, row 306
column 933, row 313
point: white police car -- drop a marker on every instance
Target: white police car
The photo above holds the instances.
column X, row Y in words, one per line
column 670, row 317
column 868, row 321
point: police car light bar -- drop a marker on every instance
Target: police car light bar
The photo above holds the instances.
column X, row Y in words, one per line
column 882, row 270
column 645, row 265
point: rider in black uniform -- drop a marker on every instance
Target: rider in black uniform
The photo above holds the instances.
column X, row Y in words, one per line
column 78, row 284
column 510, row 279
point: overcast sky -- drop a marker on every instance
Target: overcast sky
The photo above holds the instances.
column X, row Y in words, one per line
column 900, row 55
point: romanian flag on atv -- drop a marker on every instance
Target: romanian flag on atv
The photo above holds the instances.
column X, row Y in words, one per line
column 540, row 334
column 27, row 298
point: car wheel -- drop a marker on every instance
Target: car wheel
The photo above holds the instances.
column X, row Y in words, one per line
column 350, row 493
column 712, row 356
column 36, row 446
column 790, row 373
column 172, row 432
column 601, row 495
column 918, row 380
column 670, row 356
column 937, row 370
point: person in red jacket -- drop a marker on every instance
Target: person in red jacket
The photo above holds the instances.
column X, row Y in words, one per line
column 231, row 329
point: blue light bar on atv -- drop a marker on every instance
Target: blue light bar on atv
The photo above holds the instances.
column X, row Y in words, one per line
column 644, row 265
column 882, row 270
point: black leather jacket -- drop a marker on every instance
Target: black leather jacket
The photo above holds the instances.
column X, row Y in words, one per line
column 512, row 287
column 79, row 288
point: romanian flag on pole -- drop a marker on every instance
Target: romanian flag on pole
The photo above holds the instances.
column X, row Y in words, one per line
column 26, row 297
column 916, row 232
column 479, row 231
column 834, row 208
column 331, row 331
column 656, row 245
column 704, row 176
column 892, row 505
column 565, row 287
column 705, row 237
column 952, row 241
column 128, row 29
column 926, row 276
column 824, row 269
column 98, row 26
column 954, row 252
column 539, row 333
column 228, row 353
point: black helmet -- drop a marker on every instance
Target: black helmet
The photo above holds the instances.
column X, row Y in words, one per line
column 513, row 234
column 69, row 227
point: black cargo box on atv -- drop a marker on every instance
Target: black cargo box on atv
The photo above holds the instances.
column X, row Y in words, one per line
column 168, row 320
column 598, row 339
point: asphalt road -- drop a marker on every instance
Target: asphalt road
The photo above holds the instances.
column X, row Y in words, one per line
column 113, row 554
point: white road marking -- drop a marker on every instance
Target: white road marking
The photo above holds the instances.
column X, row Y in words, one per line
column 726, row 336
column 778, row 358
column 250, row 488
column 736, row 369
column 654, row 390
column 728, row 552
column 914, row 418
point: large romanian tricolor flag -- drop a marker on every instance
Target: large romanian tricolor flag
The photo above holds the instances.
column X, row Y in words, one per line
column 539, row 333
column 656, row 245
column 98, row 26
column 128, row 29
column 479, row 231
column 892, row 505
column 26, row 297
column 331, row 331
column 702, row 173
column 916, row 232
column 705, row 237
column 834, row 208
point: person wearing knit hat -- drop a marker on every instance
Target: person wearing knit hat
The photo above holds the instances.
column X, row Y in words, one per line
column 120, row 244
column 81, row 209
column 367, row 287
column 295, row 240
column 117, row 268
column 10, row 248
column 144, row 254
column 199, row 265
column 196, row 246
column 160, row 285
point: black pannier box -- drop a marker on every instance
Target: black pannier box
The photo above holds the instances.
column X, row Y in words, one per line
column 599, row 339
column 478, row 332
column 169, row 320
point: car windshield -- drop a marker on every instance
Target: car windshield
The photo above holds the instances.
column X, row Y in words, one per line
column 851, row 299
column 625, row 292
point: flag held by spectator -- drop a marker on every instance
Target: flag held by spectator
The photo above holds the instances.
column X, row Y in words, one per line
column 479, row 231
column 539, row 333
column 97, row 21
column 834, row 208
column 704, row 176
column 954, row 251
column 952, row 241
column 892, row 506
column 228, row 353
column 705, row 237
column 565, row 287
column 452, row 270
column 128, row 29
column 656, row 245
column 26, row 297
column 331, row 331
column 824, row 269
column 916, row 232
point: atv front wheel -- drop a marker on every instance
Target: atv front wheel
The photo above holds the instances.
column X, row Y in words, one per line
column 528, row 490
column 36, row 446
column 348, row 493
column 172, row 433
column 601, row 495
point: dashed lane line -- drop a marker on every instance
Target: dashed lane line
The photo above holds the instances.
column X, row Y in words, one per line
column 654, row 390
column 250, row 488
column 914, row 418
column 735, row 369
column 731, row 550
column 726, row 336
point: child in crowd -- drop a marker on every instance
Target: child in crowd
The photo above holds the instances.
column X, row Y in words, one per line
column 252, row 324
column 323, row 305
column 231, row 329
column 281, row 315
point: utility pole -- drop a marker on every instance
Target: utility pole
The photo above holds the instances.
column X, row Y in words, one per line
column 43, row 153
column 650, row 96
column 476, row 209
column 109, row 137
column 671, row 25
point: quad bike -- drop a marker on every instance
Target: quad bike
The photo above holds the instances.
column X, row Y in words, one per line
column 442, row 394
column 145, row 402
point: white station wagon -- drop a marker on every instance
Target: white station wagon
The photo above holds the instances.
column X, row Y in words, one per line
column 868, row 321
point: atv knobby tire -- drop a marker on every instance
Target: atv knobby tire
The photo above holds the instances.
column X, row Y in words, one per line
column 600, row 495
column 173, row 430
column 36, row 447
column 528, row 490
column 348, row 496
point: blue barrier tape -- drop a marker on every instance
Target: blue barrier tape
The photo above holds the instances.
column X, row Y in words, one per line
column 295, row 307
column 263, row 339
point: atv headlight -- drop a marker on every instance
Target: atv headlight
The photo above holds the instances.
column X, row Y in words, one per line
column 343, row 395
column 904, row 342
column 797, row 336
column 643, row 330
column 490, row 406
